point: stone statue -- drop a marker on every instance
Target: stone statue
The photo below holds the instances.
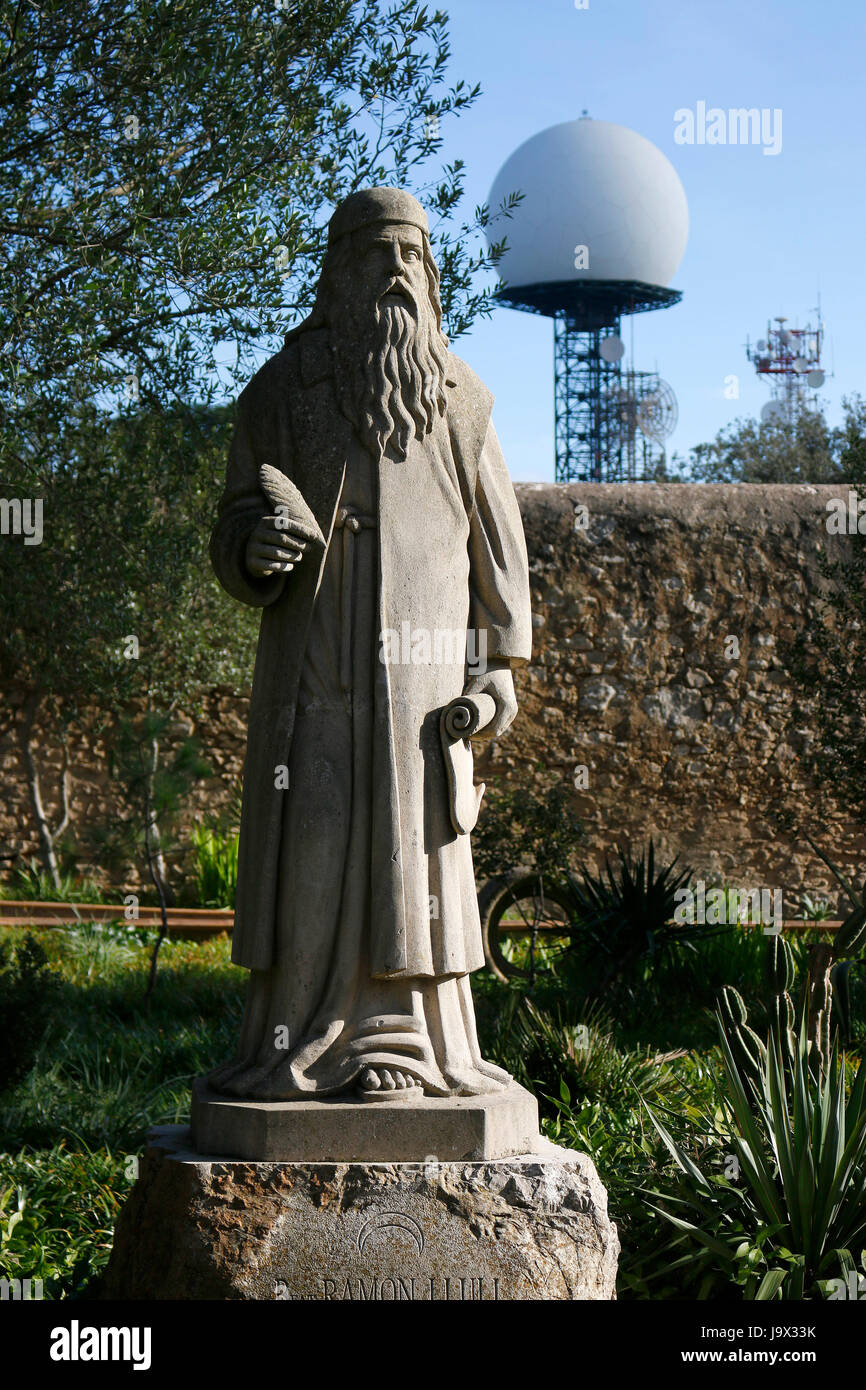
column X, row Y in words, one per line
column 359, row 1147
column 368, row 512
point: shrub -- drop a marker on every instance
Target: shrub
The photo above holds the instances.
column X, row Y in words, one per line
column 27, row 991
column 29, row 882
column 215, row 864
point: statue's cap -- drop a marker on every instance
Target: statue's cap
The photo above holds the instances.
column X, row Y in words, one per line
column 371, row 205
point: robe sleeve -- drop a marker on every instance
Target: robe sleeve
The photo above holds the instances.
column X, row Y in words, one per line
column 499, row 602
column 242, row 506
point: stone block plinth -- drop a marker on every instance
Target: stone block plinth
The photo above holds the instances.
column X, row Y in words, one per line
column 530, row 1227
column 344, row 1130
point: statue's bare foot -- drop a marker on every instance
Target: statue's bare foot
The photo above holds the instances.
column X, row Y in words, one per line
column 385, row 1079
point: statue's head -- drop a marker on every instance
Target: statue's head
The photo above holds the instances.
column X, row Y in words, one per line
column 379, row 294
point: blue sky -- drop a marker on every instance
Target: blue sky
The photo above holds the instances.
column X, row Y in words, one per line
column 767, row 232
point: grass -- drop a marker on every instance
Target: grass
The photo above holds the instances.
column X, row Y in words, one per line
column 57, row 1213
column 30, row 882
column 106, row 1070
column 104, row 1073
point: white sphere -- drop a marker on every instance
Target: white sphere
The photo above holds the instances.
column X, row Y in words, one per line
column 596, row 185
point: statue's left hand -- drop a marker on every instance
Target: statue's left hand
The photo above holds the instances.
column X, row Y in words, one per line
column 496, row 681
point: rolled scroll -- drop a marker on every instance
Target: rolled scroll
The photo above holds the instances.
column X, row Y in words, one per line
column 461, row 720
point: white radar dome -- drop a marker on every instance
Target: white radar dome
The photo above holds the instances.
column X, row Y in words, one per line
column 600, row 203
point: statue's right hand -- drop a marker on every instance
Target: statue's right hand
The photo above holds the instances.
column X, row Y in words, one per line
column 272, row 548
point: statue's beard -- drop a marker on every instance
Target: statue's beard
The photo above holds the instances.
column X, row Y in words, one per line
column 390, row 374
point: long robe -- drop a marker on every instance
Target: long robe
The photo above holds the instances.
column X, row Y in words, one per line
column 373, row 922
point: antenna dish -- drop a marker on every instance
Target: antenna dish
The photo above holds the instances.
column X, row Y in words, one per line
column 658, row 413
column 801, row 364
column 773, row 410
column 612, row 348
column 815, row 378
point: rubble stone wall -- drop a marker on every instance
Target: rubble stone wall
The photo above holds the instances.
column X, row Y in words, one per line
column 636, row 695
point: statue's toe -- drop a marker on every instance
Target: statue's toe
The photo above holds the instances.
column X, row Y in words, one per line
column 387, row 1079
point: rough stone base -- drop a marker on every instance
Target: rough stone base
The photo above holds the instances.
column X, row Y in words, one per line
column 528, row 1227
column 353, row 1131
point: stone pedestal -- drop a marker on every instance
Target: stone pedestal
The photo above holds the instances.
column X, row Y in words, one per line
column 414, row 1128
column 530, row 1226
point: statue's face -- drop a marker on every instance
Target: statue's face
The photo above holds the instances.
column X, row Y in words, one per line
column 390, row 354
column 391, row 262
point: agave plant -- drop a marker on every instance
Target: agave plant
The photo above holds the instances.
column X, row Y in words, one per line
column 815, row 909
column 625, row 915
column 786, row 1215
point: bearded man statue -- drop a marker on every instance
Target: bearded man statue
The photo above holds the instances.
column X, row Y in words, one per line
column 397, row 584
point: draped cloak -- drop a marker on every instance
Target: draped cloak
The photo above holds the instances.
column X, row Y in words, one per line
column 437, row 550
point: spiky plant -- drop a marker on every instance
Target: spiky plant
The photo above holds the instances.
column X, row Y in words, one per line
column 787, row 1215
column 625, row 916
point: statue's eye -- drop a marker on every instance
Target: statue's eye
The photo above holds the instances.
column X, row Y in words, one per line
column 413, row 254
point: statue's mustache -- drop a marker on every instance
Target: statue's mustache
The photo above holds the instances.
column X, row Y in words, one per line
column 399, row 290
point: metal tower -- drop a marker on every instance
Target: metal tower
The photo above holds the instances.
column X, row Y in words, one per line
column 594, row 436
column 598, row 232
column 790, row 359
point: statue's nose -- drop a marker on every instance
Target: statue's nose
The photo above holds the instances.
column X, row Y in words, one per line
column 394, row 260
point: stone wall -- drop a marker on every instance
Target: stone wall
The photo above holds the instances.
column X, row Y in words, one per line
column 682, row 735
column 636, row 591
column 222, row 734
